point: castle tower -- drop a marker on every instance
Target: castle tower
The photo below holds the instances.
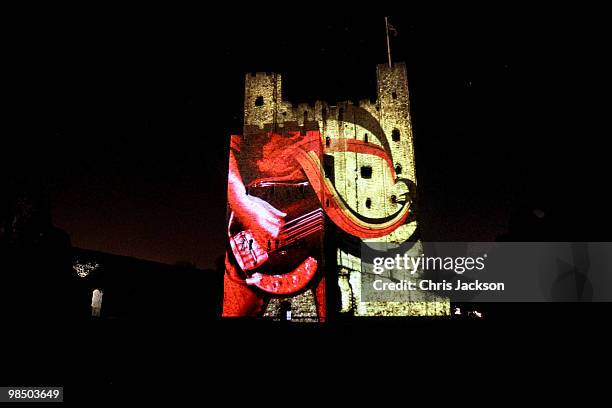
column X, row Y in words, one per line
column 392, row 95
column 364, row 181
column 262, row 95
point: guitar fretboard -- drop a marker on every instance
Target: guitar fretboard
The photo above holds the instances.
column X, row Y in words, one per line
column 302, row 226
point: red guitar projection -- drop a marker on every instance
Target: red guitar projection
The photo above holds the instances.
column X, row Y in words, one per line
column 287, row 264
column 276, row 222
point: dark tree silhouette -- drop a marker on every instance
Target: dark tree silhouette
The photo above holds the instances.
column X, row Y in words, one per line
column 36, row 276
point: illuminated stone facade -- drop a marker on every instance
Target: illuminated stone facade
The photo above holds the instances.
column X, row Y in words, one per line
column 363, row 181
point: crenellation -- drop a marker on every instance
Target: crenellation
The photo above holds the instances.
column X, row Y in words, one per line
column 261, row 74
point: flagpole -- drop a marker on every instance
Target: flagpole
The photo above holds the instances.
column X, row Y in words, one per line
column 388, row 43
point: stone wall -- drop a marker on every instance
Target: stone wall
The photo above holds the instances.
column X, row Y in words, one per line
column 385, row 122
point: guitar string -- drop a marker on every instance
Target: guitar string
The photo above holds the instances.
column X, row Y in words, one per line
column 288, row 231
column 299, row 225
column 307, row 227
column 303, row 216
column 307, row 230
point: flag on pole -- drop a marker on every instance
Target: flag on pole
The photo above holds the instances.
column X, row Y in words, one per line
column 393, row 30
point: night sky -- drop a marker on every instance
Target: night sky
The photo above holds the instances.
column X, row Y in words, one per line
column 124, row 117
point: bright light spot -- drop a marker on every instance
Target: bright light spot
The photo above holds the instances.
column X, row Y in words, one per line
column 96, row 302
column 83, row 269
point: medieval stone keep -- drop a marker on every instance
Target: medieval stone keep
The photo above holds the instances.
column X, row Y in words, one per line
column 366, row 183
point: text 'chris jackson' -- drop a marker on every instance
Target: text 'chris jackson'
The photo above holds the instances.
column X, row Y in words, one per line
column 423, row 263
column 459, row 285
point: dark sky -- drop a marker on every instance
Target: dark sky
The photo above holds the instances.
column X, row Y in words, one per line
column 124, row 116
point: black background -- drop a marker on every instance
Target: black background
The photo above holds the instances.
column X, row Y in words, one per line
column 123, row 116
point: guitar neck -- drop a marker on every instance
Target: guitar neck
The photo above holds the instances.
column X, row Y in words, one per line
column 301, row 227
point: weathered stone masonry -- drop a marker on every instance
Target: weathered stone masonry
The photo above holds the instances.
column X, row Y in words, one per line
column 362, row 180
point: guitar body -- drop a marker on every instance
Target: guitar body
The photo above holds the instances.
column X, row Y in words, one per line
column 288, row 264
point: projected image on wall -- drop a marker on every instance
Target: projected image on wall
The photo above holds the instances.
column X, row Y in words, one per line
column 306, row 186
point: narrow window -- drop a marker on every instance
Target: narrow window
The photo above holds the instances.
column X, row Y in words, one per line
column 366, row 172
column 285, row 311
column 395, row 135
column 96, row 302
column 368, row 203
column 328, row 166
